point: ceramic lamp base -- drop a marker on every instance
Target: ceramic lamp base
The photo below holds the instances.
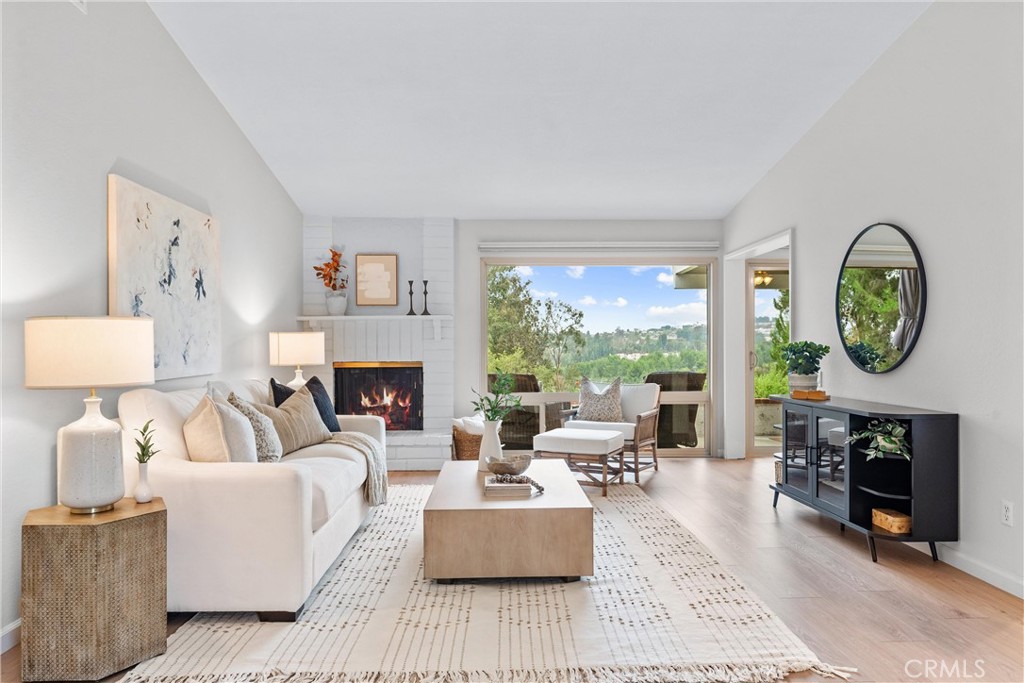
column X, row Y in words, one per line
column 298, row 381
column 90, row 472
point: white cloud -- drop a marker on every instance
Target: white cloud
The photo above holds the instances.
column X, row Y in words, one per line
column 575, row 272
column 587, row 301
column 702, row 294
column 540, row 294
column 525, row 271
column 618, row 303
column 666, row 279
column 682, row 314
column 636, row 270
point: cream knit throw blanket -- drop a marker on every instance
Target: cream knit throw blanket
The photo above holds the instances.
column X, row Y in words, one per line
column 375, row 488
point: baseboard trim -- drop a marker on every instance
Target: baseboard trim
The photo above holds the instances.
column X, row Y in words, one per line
column 10, row 636
column 982, row 570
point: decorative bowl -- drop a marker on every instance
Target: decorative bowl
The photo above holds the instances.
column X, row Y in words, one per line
column 510, row 464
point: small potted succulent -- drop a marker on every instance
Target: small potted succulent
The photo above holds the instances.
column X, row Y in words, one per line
column 885, row 437
column 331, row 272
column 494, row 407
column 803, row 363
column 143, row 494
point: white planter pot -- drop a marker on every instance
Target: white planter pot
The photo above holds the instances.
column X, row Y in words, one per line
column 337, row 302
column 803, row 382
column 490, row 445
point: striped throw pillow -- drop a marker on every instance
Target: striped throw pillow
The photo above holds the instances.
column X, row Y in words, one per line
column 296, row 421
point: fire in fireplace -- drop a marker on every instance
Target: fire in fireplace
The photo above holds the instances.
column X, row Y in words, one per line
column 392, row 390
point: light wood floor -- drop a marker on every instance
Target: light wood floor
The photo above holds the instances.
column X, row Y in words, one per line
column 890, row 620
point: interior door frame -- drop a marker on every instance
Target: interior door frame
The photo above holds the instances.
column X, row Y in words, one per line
column 752, row 265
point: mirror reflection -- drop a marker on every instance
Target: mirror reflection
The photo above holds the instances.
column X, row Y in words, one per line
column 880, row 299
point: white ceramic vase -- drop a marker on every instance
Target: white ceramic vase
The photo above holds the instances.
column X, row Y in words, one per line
column 143, row 494
column 490, row 445
column 337, row 301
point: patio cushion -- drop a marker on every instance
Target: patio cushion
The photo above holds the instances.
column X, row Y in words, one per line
column 578, row 441
column 627, row 429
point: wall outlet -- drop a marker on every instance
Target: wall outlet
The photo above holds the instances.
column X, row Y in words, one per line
column 1007, row 516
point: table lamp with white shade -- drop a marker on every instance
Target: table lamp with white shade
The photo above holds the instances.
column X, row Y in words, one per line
column 85, row 353
column 298, row 349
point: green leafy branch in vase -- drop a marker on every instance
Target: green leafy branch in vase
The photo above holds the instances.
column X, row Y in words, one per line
column 500, row 402
column 146, row 450
column 885, row 437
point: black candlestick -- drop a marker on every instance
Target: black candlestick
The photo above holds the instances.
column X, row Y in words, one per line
column 411, row 312
column 425, row 310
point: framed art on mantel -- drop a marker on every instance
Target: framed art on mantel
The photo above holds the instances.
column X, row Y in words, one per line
column 164, row 264
column 376, row 279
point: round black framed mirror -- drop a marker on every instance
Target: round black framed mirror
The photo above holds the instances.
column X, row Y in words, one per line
column 880, row 298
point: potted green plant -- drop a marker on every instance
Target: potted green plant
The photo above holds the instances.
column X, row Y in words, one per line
column 885, row 437
column 145, row 451
column 494, row 407
column 803, row 363
column 865, row 355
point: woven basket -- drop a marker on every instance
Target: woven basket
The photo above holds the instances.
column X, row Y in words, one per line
column 465, row 446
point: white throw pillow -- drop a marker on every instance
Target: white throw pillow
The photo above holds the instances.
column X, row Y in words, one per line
column 216, row 432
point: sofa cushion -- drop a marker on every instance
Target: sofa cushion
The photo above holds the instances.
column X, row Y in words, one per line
column 297, row 421
column 216, row 432
column 627, row 429
column 268, row 443
column 600, row 404
column 321, row 398
column 334, row 481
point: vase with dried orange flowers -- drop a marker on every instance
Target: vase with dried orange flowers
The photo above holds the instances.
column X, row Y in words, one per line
column 336, row 281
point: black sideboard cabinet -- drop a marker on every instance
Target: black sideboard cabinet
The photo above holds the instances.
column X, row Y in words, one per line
column 821, row 471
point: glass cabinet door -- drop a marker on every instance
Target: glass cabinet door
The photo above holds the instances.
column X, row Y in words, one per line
column 830, row 460
column 796, row 450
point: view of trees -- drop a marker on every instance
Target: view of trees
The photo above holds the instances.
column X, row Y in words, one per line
column 870, row 306
column 770, row 372
column 545, row 337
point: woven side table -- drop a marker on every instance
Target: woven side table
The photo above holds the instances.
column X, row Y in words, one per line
column 93, row 590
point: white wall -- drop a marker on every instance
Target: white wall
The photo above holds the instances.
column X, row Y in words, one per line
column 590, row 234
column 85, row 95
column 929, row 139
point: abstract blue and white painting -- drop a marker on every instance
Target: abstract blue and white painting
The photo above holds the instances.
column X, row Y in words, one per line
column 164, row 264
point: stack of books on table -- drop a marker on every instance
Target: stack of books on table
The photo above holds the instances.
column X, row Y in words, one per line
column 493, row 488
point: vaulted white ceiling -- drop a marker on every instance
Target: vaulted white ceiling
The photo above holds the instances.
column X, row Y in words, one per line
column 528, row 110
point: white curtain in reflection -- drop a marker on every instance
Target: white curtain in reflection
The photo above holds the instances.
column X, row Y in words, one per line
column 910, row 304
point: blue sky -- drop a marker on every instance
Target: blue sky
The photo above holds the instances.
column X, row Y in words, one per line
column 619, row 296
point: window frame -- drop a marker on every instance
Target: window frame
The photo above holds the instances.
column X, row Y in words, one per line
column 705, row 399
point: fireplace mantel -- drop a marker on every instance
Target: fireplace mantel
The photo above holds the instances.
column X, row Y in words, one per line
column 342, row 319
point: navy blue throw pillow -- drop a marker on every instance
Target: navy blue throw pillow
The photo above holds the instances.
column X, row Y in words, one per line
column 321, row 398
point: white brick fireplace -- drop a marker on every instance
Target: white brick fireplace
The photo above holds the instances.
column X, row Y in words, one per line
column 390, row 335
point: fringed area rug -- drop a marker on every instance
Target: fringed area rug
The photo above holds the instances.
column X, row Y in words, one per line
column 659, row 609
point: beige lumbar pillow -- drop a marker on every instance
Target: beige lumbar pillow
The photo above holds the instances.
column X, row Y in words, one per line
column 216, row 432
column 600, row 406
column 297, row 421
column 268, row 444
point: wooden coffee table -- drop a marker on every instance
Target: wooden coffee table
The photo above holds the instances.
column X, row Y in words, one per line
column 467, row 535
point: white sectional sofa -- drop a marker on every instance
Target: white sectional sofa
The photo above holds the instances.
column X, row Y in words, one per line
column 247, row 537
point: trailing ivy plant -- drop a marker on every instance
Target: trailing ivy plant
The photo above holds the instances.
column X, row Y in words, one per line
column 884, row 436
column 501, row 401
column 804, row 357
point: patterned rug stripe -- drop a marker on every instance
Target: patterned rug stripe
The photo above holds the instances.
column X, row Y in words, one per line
column 660, row 609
